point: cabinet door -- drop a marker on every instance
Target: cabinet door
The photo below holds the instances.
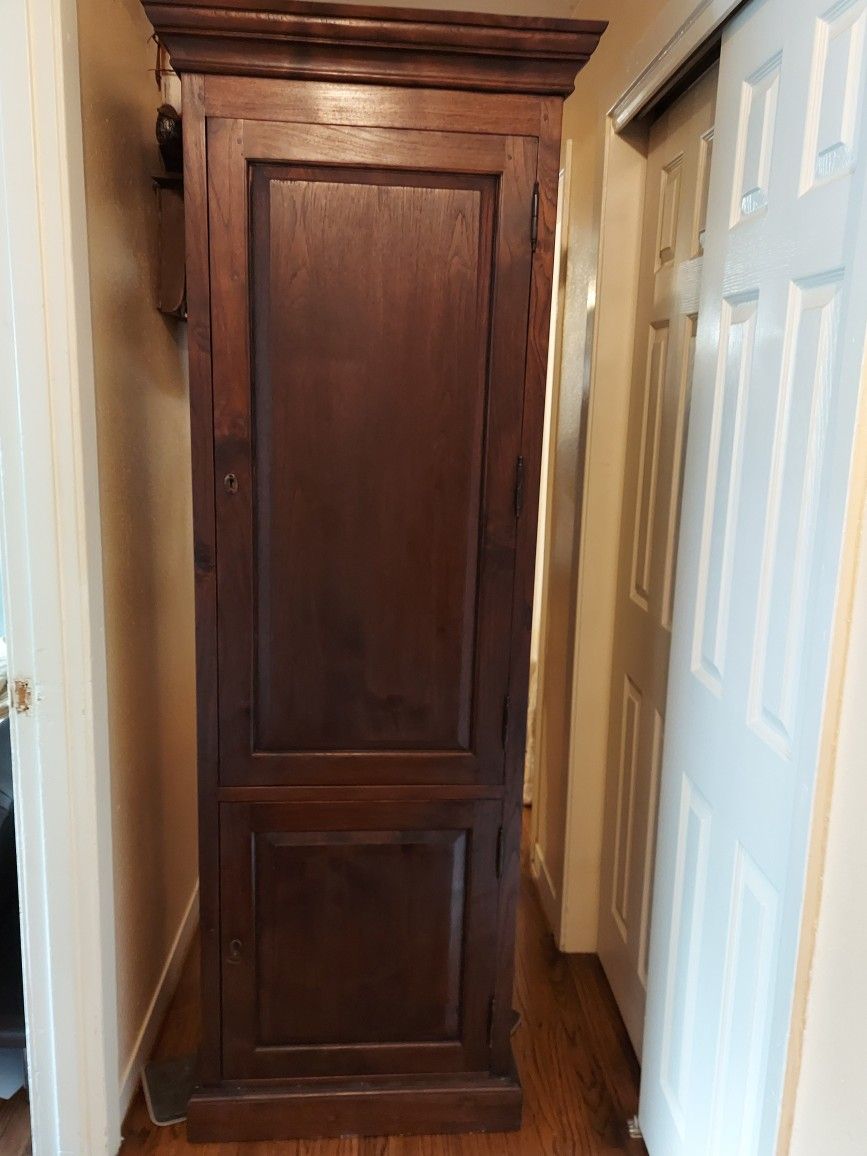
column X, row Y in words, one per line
column 370, row 291
column 358, row 939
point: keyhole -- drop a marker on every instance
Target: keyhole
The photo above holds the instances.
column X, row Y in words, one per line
column 230, row 481
column 235, row 948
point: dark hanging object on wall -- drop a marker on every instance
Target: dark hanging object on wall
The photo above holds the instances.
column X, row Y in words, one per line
column 172, row 289
column 170, row 138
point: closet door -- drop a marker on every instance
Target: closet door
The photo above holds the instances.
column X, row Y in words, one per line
column 762, row 574
column 675, row 212
column 370, row 291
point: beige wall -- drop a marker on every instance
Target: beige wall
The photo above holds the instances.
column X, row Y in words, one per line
column 830, row 1110
column 144, row 471
column 587, row 492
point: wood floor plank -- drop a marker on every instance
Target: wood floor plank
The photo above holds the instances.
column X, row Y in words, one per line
column 15, row 1126
column 579, row 1073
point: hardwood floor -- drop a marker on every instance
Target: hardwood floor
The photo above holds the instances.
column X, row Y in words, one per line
column 15, row 1126
column 579, row 1072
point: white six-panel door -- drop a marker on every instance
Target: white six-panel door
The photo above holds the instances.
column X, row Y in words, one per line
column 678, row 170
column 776, row 383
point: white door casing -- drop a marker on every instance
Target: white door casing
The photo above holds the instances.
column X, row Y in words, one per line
column 778, row 368
column 678, row 169
column 53, row 583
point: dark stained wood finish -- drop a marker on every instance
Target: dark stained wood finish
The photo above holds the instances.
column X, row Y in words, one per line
column 368, row 345
column 578, row 1069
column 422, row 49
column 370, row 644
column 429, row 110
column 367, row 459
column 205, row 554
column 532, row 420
column 359, row 937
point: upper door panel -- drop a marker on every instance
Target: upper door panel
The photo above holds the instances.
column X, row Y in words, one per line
column 366, row 447
column 368, row 428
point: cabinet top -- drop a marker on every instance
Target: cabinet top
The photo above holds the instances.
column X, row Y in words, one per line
column 416, row 47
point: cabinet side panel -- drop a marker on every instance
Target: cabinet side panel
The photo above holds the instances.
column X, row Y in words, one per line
column 201, row 425
column 536, row 365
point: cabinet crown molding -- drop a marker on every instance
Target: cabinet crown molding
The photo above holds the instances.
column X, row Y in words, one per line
column 421, row 48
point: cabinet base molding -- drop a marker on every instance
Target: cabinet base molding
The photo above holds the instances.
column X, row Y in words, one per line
column 235, row 1112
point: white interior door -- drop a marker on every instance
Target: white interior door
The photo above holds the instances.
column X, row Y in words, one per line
column 778, row 366
column 678, row 169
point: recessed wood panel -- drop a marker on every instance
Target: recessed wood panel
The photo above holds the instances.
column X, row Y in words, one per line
column 357, row 937
column 329, row 970
column 371, row 334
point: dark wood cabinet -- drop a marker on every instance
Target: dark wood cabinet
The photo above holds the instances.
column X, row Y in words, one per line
column 371, row 201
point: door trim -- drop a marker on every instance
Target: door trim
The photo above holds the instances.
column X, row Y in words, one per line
column 53, row 575
column 706, row 18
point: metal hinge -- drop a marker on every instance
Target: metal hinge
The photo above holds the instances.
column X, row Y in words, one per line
column 22, row 695
column 491, row 1007
column 507, row 706
column 500, row 852
column 519, row 487
column 534, row 218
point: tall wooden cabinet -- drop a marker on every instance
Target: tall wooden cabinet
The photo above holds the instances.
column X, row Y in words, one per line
column 370, row 198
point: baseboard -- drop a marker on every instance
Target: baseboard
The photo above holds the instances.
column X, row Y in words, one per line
column 547, row 892
column 436, row 1104
column 159, row 1004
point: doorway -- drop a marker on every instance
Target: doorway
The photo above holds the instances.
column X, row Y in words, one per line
column 15, row 1127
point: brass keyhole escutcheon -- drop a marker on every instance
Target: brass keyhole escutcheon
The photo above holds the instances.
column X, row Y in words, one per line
column 230, row 481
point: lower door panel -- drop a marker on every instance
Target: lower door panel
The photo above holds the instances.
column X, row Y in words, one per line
column 358, row 938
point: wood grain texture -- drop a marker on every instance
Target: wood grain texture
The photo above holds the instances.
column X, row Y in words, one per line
column 15, row 1125
column 419, row 48
column 579, row 1073
column 204, row 551
column 371, row 414
column 369, row 644
column 363, row 937
column 361, row 105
